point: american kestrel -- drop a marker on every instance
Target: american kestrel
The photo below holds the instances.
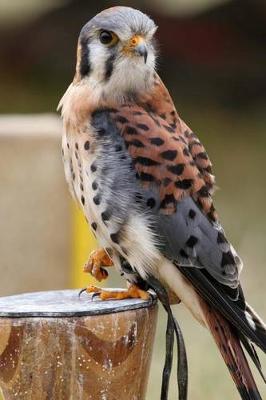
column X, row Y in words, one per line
column 144, row 182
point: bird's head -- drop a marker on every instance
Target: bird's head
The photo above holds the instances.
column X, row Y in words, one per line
column 116, row 51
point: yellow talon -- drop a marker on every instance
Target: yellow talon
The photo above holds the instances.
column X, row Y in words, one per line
column 97, row 260
column 133, row 292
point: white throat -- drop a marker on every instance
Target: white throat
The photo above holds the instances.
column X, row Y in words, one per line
column 129, row 76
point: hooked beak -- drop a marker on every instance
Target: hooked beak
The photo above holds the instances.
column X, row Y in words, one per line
column 142, row 51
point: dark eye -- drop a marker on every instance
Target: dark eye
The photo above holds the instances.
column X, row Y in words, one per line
column 108, row 38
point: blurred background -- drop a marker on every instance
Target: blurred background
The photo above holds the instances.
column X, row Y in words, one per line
column 213, row 60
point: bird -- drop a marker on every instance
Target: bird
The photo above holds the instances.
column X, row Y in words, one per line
column 145, row 184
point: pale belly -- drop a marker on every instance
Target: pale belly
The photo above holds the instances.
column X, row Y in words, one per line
column 129, row 236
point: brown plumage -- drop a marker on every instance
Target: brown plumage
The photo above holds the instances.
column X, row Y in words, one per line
column 227, row 340
column 144, row 182
column 164, row 150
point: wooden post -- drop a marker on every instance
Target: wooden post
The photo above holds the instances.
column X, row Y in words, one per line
column 57, row 346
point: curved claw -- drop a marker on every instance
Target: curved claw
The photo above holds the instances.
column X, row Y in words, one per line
column 98, row 259
column 82, row 291
column 95, row 294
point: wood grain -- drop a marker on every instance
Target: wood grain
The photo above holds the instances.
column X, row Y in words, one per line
column 98, row 356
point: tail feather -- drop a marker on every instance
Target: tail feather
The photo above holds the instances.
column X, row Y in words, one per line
column 258, row 326
column 252, row 353
column 239, row 313
column 228, row 341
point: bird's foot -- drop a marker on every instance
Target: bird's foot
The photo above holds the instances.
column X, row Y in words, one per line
column 133, row 292
column 98, row 259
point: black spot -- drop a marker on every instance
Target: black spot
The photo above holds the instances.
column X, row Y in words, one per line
column 184, row 184
column 227, row 259
column 208, row 169
column 93, row 167
column 97, row 199
column 77, row 146
column 168, row 199
column 151, row 202
column 87, row 145
column 192, row 214
column 135, row 142
column 81, row 187
column 192, row 241
column 118, row 147
column 204, row 192
column 121, row 119
column 157, row 141
column 94, row 185
column 203, row 155
column 163, row 116
column 84, row 66
column 150, row 108
column 183, row 254
column 82, row 199
column 221, row 238
column 115, row 237
column 131, row 131
column 147, row 162
column 94, row 226
column 143, row 127
column 169, row 129
column 137, row 113
column 145, row 177
column 173, row 113
column 68, row 145
column 101, row 131
column 76, row 155
column 166, row 181
column 176, row 169
column 186, row 152
column 169, row 155
column 109, row 67
column 106, row 215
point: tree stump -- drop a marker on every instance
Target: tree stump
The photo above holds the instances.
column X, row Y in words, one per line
column 57, row 346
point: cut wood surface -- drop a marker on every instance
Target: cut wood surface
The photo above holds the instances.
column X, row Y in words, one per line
column 57, row 346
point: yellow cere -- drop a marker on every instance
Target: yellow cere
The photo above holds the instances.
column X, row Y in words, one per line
column 135, row 40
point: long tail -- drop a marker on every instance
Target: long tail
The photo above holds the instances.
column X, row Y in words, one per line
column 229, row 342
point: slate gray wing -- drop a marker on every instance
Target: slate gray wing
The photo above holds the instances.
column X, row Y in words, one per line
column 175, row 193
column 194, row 242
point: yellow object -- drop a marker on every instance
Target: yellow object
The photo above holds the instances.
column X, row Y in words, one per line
column 84, row 243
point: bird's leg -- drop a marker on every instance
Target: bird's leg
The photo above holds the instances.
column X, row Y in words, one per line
column 98, row 259
column 133, row 292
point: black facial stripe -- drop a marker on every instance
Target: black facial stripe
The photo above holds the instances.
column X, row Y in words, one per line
column 85, row 66
column 109, row 67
